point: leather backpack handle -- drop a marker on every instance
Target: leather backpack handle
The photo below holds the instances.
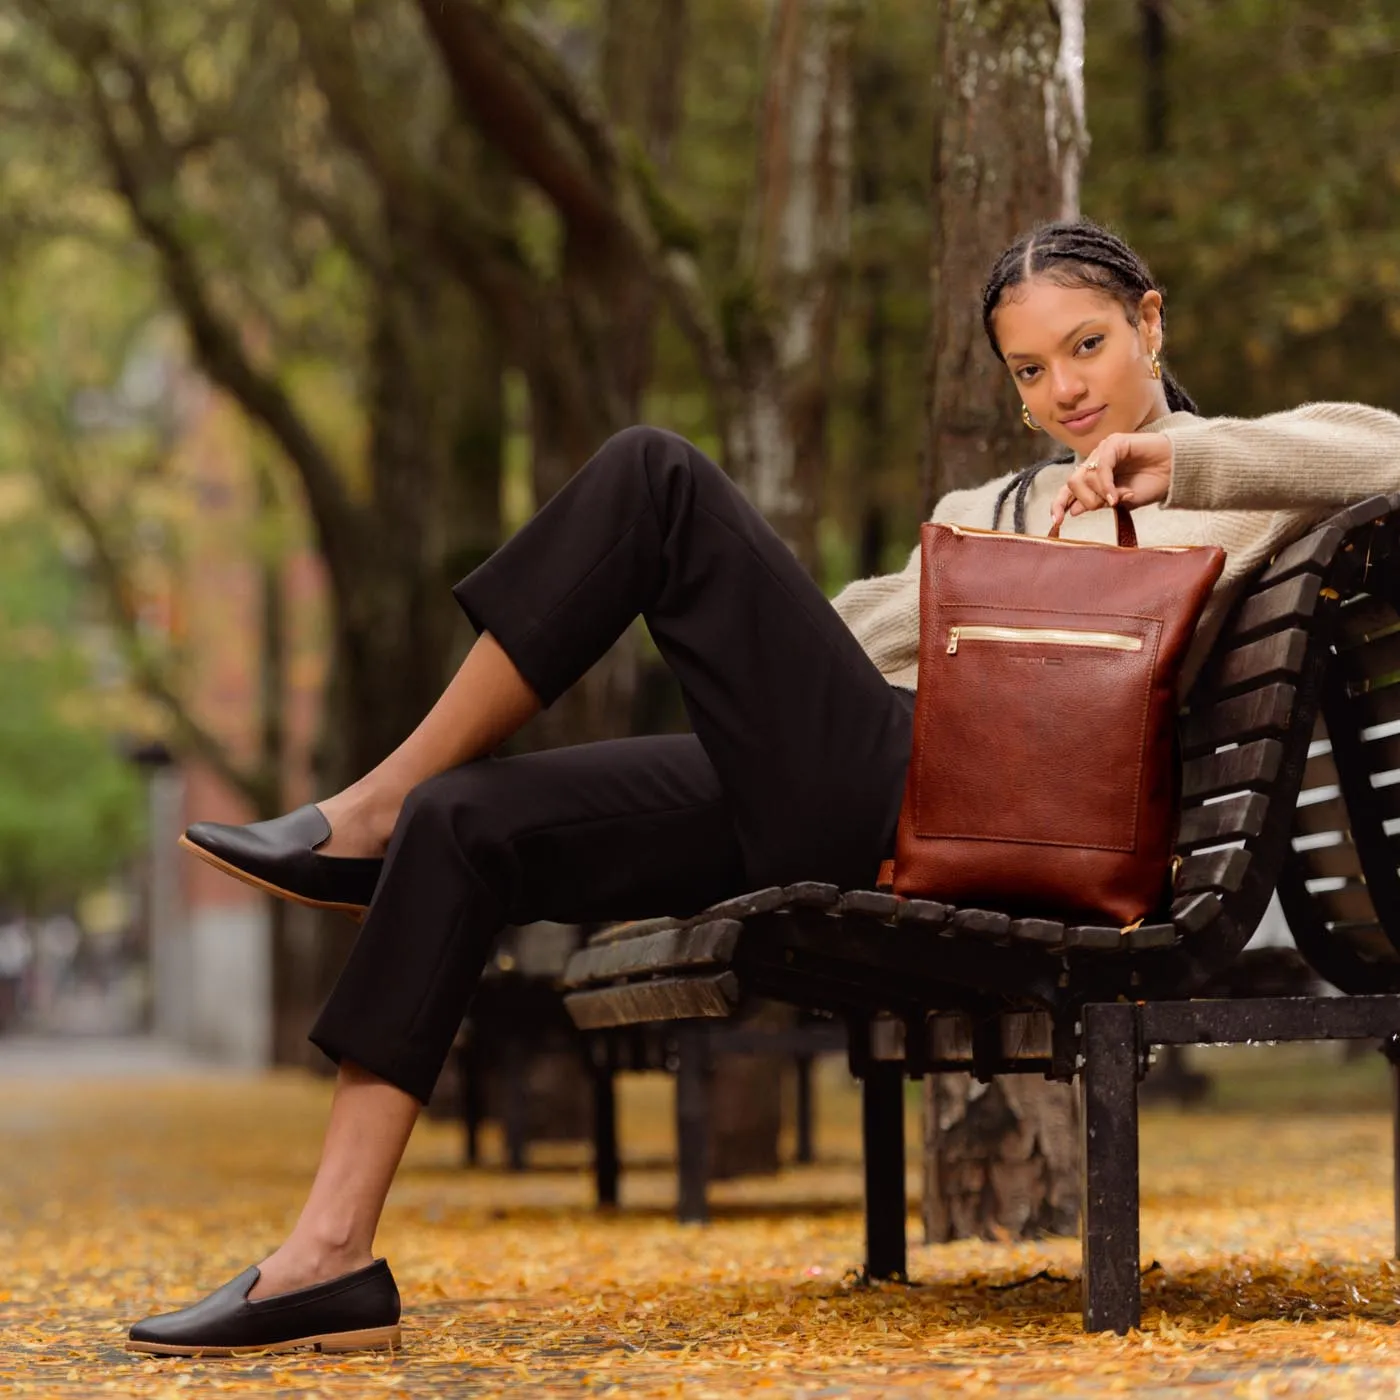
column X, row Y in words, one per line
column 1127, row 531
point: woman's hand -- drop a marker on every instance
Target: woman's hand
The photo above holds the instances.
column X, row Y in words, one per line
column 1132, row 468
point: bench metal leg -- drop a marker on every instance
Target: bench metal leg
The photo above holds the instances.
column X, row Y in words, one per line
column 605, row 1159
column 516, row 1117
column 469, row 1088
column 804, row 1109
column 693, row 1125
column 1392, row 1053
column 1112, row 1285
column 882, row 1126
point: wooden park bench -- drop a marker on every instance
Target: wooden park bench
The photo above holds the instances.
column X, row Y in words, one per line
column 518, row 1016
column 1278, row 761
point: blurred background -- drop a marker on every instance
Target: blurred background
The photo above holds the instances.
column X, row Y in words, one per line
column 306, row 305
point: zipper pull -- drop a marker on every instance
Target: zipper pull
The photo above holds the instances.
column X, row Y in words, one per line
column 952, row 641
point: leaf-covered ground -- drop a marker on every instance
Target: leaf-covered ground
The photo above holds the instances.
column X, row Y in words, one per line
column 1269, row 1234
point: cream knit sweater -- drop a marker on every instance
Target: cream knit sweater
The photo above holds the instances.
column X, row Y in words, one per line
column 1249, row 485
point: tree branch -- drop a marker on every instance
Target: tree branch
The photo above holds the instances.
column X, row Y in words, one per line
column 482, row 251
column 146, row 175
column 525, row 103
column 529, row 107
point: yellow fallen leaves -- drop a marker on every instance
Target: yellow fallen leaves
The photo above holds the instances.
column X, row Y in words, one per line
column 1272, row 1235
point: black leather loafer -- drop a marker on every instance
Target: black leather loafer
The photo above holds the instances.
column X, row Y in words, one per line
column 280, row 856
column 355, row 1312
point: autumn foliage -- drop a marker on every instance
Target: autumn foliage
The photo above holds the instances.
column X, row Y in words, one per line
column 1266, row 1236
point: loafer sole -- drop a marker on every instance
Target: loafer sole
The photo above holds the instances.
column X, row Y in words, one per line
column 356, row 911
column 365, row 1339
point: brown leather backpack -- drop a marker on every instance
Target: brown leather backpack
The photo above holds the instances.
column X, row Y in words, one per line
column 1044, row 777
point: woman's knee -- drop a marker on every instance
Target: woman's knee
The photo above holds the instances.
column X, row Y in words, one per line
column 650, row 452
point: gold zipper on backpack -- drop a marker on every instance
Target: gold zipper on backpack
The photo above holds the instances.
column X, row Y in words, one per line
column 1072, row 544
column 1052, row 636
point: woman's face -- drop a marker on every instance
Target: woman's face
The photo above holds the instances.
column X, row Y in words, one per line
column 1080, row 366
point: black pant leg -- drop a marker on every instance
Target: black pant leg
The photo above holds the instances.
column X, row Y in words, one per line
column 616, row 830
column 809, row 742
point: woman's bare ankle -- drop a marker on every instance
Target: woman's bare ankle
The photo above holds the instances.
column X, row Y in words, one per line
column 361, row 821
column 300, row 1263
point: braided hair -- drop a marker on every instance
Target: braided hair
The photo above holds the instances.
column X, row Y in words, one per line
column 1071, row 253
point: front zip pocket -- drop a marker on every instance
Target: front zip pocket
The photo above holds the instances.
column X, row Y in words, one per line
column 1045, row 636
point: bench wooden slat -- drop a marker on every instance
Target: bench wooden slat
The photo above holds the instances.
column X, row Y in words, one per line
column 923, row 914
column 1311, row 554
column 810, row 894
column 1329, row 862
column 1042, row 933
column 1290, row 603
column 873, row 904
column 744, row 906
column 1253, row 765
column 1373, row 508
column 698, row 945
column 1195, row 912
column 983, row 923
column 1369, row 615
column 1275, row 657
column 1319, row 817
column 1218, row 822
column 1374, row 661
column 1099, row 938
column 1216, row 870
column 1382, row 755
column 1367, row 940
column 632, row 928
column 1352, row 902
column 665, row 999
column 1314, row 818
column 1252, row 715
column 1320, row 771
column 1380, row 706
column 1148, row 936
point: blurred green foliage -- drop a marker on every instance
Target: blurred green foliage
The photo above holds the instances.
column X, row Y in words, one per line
column 70, row 803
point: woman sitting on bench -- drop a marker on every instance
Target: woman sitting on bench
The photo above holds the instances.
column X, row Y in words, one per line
column 801, row 711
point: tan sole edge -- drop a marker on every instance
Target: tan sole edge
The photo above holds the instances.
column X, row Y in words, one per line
column 356, row 911
column 366, row 1339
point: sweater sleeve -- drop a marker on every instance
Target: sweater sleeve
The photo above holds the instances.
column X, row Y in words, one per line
column 1319, row 455
column 864, row 596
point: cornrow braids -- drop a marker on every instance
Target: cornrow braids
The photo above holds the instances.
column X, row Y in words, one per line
column 1072, row 253
column 1020, row 485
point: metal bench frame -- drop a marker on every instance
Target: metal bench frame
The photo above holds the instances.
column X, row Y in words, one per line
column 1299, row 673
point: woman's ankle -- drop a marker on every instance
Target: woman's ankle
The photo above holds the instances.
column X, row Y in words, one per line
column 302, row 1263
column 362, row 820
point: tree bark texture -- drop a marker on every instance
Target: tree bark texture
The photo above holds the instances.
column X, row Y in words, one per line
column 799, row 241
column 1008, row 141
column 1000, row 1160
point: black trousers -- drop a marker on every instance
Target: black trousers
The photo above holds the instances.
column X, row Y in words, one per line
column 795, row 769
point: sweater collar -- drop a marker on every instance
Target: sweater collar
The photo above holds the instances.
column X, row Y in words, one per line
column 1179, row 419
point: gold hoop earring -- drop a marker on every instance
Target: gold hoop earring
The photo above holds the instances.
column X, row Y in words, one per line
column 1156, row 364
column 1028, row 420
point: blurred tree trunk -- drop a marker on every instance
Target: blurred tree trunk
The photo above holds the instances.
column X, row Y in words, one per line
column 592, row 358
column 799, row 240
column 1154, row 88
column 1009, row 139
column 873, row 83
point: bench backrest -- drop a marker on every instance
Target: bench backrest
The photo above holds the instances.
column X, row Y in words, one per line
column 1253, row 738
